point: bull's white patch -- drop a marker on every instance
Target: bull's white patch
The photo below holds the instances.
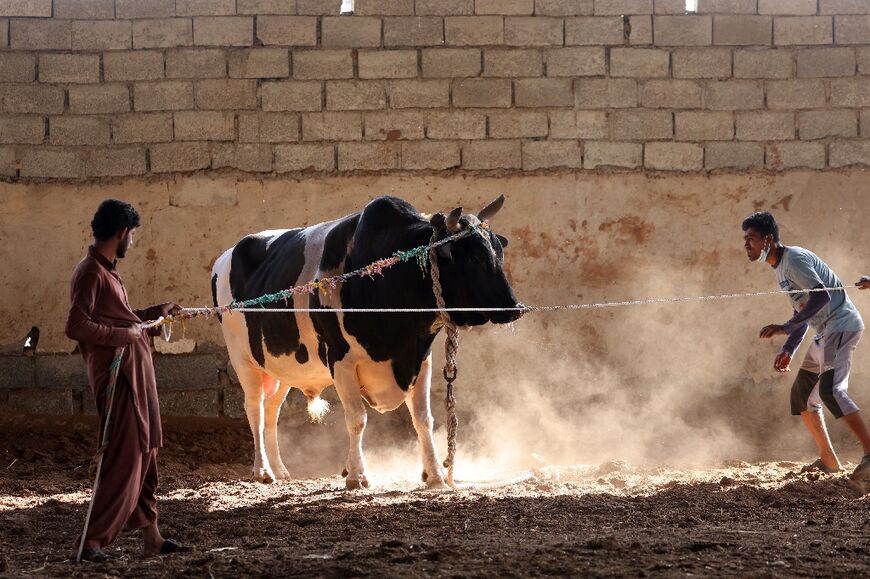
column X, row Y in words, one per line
column 318, row 408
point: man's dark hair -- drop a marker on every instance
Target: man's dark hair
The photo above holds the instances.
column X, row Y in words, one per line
column 111, row 217
column 764, row 223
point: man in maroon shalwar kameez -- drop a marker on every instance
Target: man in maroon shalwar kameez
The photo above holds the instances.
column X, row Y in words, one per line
column 101, row 320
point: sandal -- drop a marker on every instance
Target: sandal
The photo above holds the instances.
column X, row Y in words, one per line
column 170, row 546
column 818, row 465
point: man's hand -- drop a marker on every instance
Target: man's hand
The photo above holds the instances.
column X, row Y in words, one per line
column 134, row 333
column 864, row 282
column 169, row 309
column 772, row 330
column 781, row 362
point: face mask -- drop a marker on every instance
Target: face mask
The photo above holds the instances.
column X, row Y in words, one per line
column 762, row 257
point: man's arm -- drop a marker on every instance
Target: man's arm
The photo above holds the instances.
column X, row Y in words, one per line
column 81, row 327
column 864, row 282
column 814, row 305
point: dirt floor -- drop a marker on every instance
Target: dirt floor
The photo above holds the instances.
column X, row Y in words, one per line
column 611, row 519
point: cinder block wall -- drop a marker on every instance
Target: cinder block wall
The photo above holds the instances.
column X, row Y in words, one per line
column 100, row 88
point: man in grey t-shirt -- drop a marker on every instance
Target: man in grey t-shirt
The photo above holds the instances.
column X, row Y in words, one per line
column 821, row 302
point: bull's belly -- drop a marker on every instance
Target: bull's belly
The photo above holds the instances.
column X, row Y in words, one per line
column 312, row 377
column 378, row 385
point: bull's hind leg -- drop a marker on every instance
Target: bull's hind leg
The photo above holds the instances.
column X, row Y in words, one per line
column 418, row 404
column 348, row 387
column 272, row 408
column 251, row 380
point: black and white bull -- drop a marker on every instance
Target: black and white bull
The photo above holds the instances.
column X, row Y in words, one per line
column 383, row 359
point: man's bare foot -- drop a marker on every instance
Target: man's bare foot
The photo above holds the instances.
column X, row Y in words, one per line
column 153, row 540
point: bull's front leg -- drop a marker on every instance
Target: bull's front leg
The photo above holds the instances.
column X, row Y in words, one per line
column 348, row 387
column 418, row 402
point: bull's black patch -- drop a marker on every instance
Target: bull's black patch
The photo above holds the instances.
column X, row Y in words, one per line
column 331, row 345
column 302, row 354
column 337, row 241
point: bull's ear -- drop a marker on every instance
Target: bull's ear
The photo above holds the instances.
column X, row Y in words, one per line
column 501, row 239
column 453, row 220
column 490, row 210
column 444, row 251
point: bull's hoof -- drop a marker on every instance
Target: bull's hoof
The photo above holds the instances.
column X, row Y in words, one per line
column 353, row 484
column 437, row 484
column 424, row 476
column 264, row 476
column 344, row 473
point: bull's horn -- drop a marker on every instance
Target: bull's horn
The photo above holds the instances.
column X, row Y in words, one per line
column 453, row 220
column 490, row 210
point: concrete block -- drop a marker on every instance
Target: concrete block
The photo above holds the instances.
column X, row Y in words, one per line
column 576, row 61
column 765, row 126
column 41, row 401
column 795, row 94
column 582, row 30
column 456, row 125
column 742, row 30
column 305, row 158
column 167, row 95
column 322, row 64
column 265, row 7
column 355, row 95
column 253, row 158
column 17, row 67
column 579, row 125
column 102, row 35
column 8, row 165
column 17, row 372
column 704, row 126
column 137, row 9
column 612, row 154
column 22, row 130
column 223, row 30
column 176, row 346
column 103, row 99
column 670, row 7
column 383, row 7
column 142, row 128
column 196, row 63
column 791, row 155
column 670, row 94
column 727, row 6
column 226, row 94
column 61, row 371
column 645, row 125
column 564, row 7
column 205, row 7
column 316, row 7
column 845, row 153
column 843, row 7
column 824, row 124
column 619, row 7
column 114, row 162
column 291, row 96
column 292, row 30
column 544, row 92
column 356, row 32
column 518, row 125
column 724, row 155
column 791, row 30
column 4, row 33
column 489, row 155
column 175, row 157
column 204, row 126
column 430, row 155
column 394, row 126
column 35, row 8
column 732, row 95
column 57, row 163
column 443, row 7
column 259, row 127
column 194, row 403
column 163, row 33
column 332, row 126
column 640, row 29
column 853, row 29
column 673, row 156
column 32, row 98
column 850, row 92
column 764, row 63
column 533, row 31
column 511, row 63
column 32, row 34
column 419, row 94
column 506, row 7
column 482, row 92
column 551, row 154
column 413, row 31
column 789, row 7
column 684, row 30
column 71, row 130
column 69, row 68
column 133, row 65
column 639, row 63
column 474, row 30
column 864, row 122
column 701, row 62
column 862, row 55
column 822, row 62
column 453, row 62
column 368, row 156
column 605, row 93
column 259, row 63
column 375, row 64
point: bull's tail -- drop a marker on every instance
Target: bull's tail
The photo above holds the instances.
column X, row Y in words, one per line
column 214, row 294
column 318, row 408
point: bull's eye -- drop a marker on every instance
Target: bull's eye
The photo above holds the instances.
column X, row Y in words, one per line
column 475, row 260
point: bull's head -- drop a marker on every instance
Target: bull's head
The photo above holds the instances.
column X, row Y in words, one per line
column 471, row 267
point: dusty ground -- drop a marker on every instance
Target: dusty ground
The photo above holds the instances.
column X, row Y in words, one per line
column 610, row 519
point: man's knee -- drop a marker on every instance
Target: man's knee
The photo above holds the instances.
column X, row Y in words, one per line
column 801, row 392
column 835, row 394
